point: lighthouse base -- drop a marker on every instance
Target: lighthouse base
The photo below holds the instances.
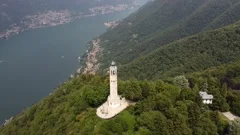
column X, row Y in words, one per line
column 114, row 101
column 106, row 111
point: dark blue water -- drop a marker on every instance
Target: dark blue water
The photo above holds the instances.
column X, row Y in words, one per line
column 31, row 63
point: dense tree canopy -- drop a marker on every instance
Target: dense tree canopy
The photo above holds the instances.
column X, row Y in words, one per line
column 161, row 108
column 192, row 54
column 161, row 22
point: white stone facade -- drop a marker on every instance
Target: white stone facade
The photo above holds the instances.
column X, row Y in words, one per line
column 113, row 98
column 207, row 101
column 114, row 104
column 206, row 98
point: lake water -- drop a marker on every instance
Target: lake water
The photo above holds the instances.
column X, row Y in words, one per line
column 31, row 63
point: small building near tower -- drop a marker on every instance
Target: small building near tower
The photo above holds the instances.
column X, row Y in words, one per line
column 206, row 98
column 115, row 103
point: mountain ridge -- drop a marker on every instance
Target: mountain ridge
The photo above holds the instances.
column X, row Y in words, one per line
column 129, row 48
column 198, row 51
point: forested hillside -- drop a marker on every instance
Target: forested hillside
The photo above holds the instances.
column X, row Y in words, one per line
column 162, row 107
column 161, row 22
column 188, row 55
column 171, row 40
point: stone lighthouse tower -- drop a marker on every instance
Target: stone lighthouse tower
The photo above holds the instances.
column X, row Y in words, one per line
column 113, row 98
column 114, row 104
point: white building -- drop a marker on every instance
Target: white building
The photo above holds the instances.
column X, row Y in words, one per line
column 206, row 98
column 114, row 104
column 113, row 98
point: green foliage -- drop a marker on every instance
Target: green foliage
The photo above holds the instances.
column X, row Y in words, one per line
column 195, row 53
column 220, row 103
column 147, row 89
column 95, row 96
column 233, row 101
column 188, row 94
column 143, row 131
column 235, row 127
column 217, row 80
column 161, row 108
column 194, row 113
column 131, row 90
column 123, row 123
column 162, row 22
column 155, row 121
column 182, row 82
column 220, row 121
column 177, row 122
column 162, row 102
column 205, row 127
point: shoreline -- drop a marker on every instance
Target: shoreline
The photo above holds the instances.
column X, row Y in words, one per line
column 89, row 58
column 55, row 18
column 90, row 61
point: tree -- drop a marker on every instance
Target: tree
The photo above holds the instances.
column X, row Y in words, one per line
column 181, row 108
column 181, row 82
column 205, row 127
column 234, row 102
column 159, row 86
column 145, row 105
column 219, row 103
column 143, row 131
column 235, row 127
column 204, row 86
column 132, row 91
column 187, row 94
column 154, row 121
column 177, row 122
column 147, row 89
column 95, row 95
column 162, row 102
column 224, row 90
column 221, row 123
column 194, row 113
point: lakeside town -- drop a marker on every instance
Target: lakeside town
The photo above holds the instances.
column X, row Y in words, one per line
column 54, row 18
column 46, row 19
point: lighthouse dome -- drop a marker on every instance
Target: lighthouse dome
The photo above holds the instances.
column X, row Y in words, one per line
column 113, row 63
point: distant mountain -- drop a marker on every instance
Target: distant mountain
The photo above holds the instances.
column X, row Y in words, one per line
column 15, row 13
column 161, row 22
